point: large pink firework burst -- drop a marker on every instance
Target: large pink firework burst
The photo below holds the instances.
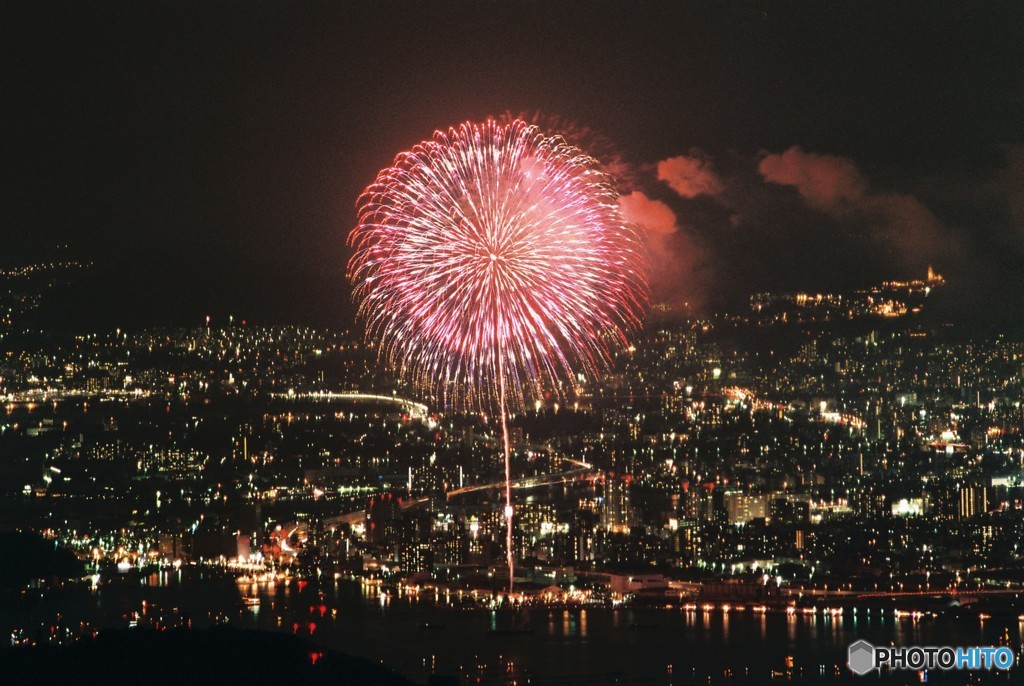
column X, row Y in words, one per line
column 492, row 263
column 493, row 246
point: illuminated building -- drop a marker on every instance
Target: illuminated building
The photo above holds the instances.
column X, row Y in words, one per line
column 973, row 501
column 617, row 512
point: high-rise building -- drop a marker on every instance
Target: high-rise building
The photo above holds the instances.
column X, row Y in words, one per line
column 698, row 502
column 380, row 512
column 973, row 501
column 617, row 512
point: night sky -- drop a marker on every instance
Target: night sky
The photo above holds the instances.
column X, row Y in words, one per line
column 209, row 155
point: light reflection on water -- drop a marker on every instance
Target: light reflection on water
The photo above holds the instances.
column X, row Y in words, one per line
column 417, row 637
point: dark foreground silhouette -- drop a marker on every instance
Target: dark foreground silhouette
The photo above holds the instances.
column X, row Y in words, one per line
column 28, row 557
column 218, row 655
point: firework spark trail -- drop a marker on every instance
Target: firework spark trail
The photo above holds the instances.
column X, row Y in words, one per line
column 492, row 263
column 507, row 454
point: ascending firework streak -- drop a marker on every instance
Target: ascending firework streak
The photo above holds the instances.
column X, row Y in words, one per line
column 492, row 263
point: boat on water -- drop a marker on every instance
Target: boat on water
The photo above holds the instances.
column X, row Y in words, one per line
column 251, row 600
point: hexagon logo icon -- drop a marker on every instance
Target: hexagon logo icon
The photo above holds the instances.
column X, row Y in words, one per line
column 861, row 657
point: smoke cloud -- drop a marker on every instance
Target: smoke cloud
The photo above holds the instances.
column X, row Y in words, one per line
column 690, row 176
column 654, row 216
column 826, row 182
column 675, row 259
column 1015, row 188
column 836, row 186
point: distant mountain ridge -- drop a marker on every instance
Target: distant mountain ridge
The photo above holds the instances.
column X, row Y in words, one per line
column 181, row 287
